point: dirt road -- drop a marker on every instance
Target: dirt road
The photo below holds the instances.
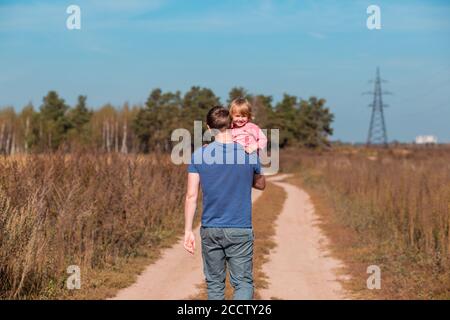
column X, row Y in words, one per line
column 299, row 267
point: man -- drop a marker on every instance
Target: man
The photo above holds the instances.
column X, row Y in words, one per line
column 226, row 173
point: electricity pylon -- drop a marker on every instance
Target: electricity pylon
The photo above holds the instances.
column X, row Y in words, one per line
column 377, row 130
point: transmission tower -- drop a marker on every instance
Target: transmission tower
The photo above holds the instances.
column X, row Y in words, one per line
column 377, row 130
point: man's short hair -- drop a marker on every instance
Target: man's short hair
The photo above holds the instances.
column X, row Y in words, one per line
column 218, row 118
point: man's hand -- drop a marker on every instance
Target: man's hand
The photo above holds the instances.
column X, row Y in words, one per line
column 189, row 241
column 189, row 210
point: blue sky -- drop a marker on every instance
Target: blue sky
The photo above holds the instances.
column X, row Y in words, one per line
column 304, row 48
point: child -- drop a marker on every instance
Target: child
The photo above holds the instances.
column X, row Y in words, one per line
column 244, row 132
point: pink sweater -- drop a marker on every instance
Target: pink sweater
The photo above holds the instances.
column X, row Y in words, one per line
column 249, row 135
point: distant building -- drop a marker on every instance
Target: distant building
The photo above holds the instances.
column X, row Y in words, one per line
column 426, row 140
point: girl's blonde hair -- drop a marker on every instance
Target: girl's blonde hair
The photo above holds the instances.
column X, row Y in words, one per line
column 241, row 106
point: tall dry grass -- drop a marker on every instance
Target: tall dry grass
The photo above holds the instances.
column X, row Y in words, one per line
column 86, row 210
column 398, row 204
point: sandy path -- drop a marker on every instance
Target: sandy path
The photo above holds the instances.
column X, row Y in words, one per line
column 300, row 266
column 175, row 275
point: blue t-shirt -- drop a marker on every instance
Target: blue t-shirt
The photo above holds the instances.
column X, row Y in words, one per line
column 226, row 178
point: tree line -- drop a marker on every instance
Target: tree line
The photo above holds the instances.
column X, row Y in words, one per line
column 58, row 126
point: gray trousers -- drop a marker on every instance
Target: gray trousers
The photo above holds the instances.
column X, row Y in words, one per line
column 232, row 248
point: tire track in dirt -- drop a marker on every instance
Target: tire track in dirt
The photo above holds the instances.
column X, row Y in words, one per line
column 300, row 266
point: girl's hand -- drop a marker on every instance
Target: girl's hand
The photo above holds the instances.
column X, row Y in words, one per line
column 251, row 149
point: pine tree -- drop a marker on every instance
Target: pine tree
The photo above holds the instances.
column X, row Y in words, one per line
column 315, row 123
column 54, row 120
column 154, row 123
column 79, row 118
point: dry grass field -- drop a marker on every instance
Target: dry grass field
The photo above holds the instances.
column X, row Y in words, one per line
column 94, row 211
column 389, row 208
column 112, row 214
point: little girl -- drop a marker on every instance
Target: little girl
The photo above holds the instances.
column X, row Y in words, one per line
column 244, row 132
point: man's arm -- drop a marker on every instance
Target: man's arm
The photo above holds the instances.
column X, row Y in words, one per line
column 190, row 206
column 259, row 181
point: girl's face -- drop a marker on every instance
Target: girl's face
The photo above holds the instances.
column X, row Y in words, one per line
column 239, row 120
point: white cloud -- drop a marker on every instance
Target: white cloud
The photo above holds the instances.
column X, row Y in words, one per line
column 415, row 17
column 30, row 17
column 317, row 35
column 128, row 6
column 39, row 16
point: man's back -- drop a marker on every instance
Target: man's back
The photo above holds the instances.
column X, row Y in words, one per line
column 226, row 177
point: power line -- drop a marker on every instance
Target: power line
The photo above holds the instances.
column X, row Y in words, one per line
column 377, row 130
